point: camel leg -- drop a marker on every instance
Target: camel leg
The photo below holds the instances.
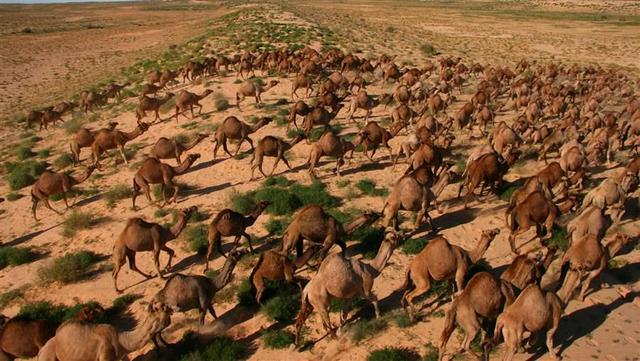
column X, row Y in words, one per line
column 346, row 306
column 238, row 149
column 48, row 205
column 215, row 241
column 512, row 238
column 131, row 257
column 258, row 283
column 275, row 164
column 286, row 162
column 156, row 258
column 224, row 147
column 171, row 254
column 422, row 285
column 248, row 241
column 121, row 149
column 590, row 277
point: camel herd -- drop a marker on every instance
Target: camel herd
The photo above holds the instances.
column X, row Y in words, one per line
column 583, row 114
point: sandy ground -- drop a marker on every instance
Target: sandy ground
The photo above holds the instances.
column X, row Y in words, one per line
column 602, row 327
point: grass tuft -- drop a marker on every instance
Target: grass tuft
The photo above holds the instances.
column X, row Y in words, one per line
column 22, row 174
column 77, row 221
column 116, row 193
column 393, row 354
column 15, row 256
column 367, row 328
column 69, row 268
column 414, row 245
column 278, row 339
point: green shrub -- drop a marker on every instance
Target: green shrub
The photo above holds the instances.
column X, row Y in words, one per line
column 22, row 174
column 11, row 197
column 279, row 181
column 402, row 320
column 73, row 125
column 45, row 153
column 160, row 212
column 24, row 152
column 431, row 354
column 316, row 193
column 196, row 237
column 283, row 307
column 243, row 202
column 278, row 339
column 369, row 238
column 116, row 193
column 393, row 354
column 219, row 349
column 6, row 298
column 368, row 186
column 15, row 256
column 559, row 238
column 43, row 310
column 77, row 221
column 428, row 49
column 276, row 226
column 63, row 161
column 414, row 245
column 69, row 268
column 282, row 200
column 506, row 194
column 220, row 102
column 366, row 328
column 244, row 295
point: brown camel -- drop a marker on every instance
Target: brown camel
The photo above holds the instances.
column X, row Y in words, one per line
column 187, row 100
column 114, row 89
column 148, row 104
column 318, row 116
column 584, row 261
column 106, row 139
column 525, row 270
column 82, row 341
column 481, row 301
column 536, row 210
column 233, row 128
column 591, row 220
column 150, row 88
column 251, row 89
column 611, row 195
column 141, row 236
column 50, row 116
column 187, row 292
column 166, row 148
column 301, row 81
column 23, row 338
column 373, row 135
column 153, row 171
column 343, row 278
column 271, row 146
column 230, row 223
column 319, row 228
column 84, row 139
column 487, row 170
column 362, row 101
column 534, row 311
column 273, row 266
column 414, row 192
column 52, row 183
column 299, row 108
column 89, row 99
column 439, row 261
column 329, row 144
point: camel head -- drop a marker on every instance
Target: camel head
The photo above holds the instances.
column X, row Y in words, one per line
column 201, row 136
column 393, row 237
column 143, row 126
column 265, row 120
column 187, row 212
column 236, row 254
column 160, row 314
column 206, row 93
column 193, row 157
column 112, row 125
column 90, row 313
column 371, row 216
column 273, row 83
column 262, row 205
column 490, row 233
column 629, row 182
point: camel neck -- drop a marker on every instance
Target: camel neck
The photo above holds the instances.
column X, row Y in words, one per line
column 137, row 338
column 193, row 143
column 355, row 224
column 254, row 215
column 225, row 274
column 476, row 254
column 384, row 253
column 182, row 167
column 300, row 261
column 82, row 178
column 257, row 126
column 133, row 134
column 441, row 184
column 177, row 228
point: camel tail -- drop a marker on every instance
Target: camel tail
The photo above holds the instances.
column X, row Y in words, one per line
column 255, row 269
column 305, row 310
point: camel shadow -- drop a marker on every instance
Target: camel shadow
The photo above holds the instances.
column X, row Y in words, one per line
column 450, row 220
column 27, row 237
column 366, row 167
column 203, row 165
column 89, row 200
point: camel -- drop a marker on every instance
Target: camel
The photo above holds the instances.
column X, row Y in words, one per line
column 440, row 261
column 89, row 99
column 585, row 260
column 343, row 278
column 251, row 89
column 148, row 104
column 536, row 210
column 166, row 148
column 534, row 311
column 573, row 159
column 114, row 89
column 233, row 128
column 502, row 136
column 329, row 144
column 52, row 183
column 81, row 341
column 187, row 292
column 362, row 101
column 149, row 88
column 486, row 170
column 23, row 338
column 35, row 116
column 301, row 81
column 84, row 139
column 106, row 139
column 229, row 223
column 318, row 116
column 481, row 301
column 50, row 116
column 414, row 192
column 141, row 236
column 299, row 108
column 532, row 184
column 153, row 171
column 374, row 135
column 525, row 270
column 273, row 266
column 591, row 220
column 271, row 146
column 187, row 100
column 65, row 106
column 610, row 195
column 320, row 229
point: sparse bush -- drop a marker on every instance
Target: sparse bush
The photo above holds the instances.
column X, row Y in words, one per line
column 219, row 349
column 402, row 320
column 428, row 49
column 278, row 339
column 22, row 174
column 196, row 237
column 76, row 221
column 393, row 354
column 220, row 102
column 73, row 125
column 116, row 193
column 242, row 202
column 431, row 354
column 15, row 256
column 414, row 245
column 24, row 152
column 283, row 307
column 7, row 297
column 43, row 310
column 69, row 268
column 368, row 186
column 559, row 238
column 367, row 328
column 506, row 194
column 11, row 197
column 369, row 238
column 276, row 226
column 45, row 153
column 63, row 161
column 279, row 181
column 160, row 212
